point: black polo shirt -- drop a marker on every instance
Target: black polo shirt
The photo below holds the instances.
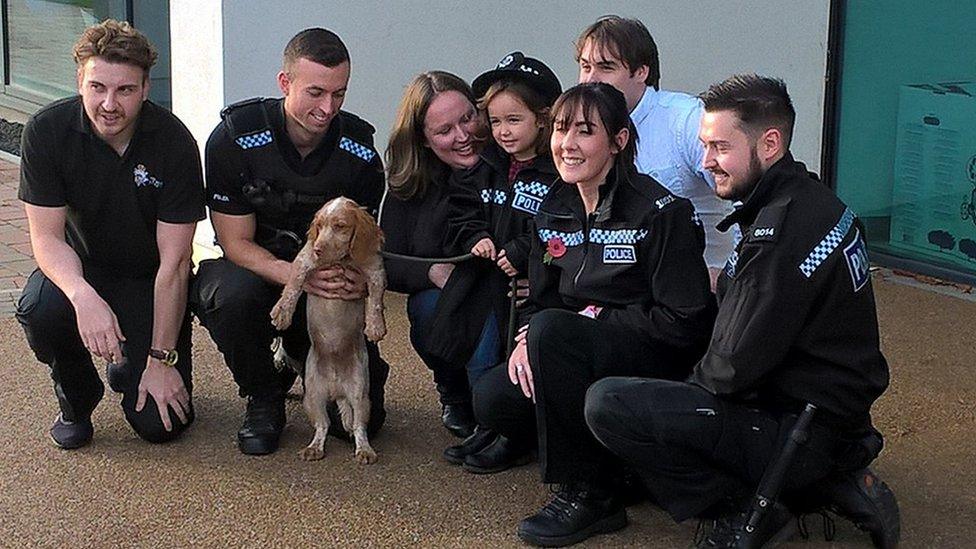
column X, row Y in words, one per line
column 113, row 202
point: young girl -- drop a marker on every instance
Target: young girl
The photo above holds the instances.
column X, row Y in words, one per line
column 490, row 212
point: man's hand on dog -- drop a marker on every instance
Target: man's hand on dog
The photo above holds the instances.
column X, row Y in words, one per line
column 166, row 387
column 336, row 282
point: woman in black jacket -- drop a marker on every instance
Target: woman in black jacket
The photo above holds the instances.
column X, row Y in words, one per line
column 618, row 286
column 437, row 130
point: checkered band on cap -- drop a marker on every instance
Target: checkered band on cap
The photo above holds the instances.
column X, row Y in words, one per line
column 356, row 149
column 569, row 239
column 535, row 188
column 828, row 244
column 617, row 236
column 259, row 139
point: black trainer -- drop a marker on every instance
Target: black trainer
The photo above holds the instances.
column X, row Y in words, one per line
column 575, row 513
column 70, row 435
column 475, row 443
column 458, row 419
column 501, row 455
column 730, row 531
column 865, row 500
column 264, row 420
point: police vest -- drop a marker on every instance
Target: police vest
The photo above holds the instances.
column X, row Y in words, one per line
column 285, row 201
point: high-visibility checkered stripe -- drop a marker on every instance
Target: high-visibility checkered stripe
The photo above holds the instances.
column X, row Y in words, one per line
column 617, row 236
column 356, row 149
column 535, row 188
column 828, row 244
column 731, row 263
column 569, row 239
column 493, row 195
column 259, row 139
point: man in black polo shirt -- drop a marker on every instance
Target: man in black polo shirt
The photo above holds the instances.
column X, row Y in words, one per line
column 271, row 163
column 113, row 189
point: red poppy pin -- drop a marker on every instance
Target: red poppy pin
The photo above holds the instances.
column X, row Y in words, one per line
column 555, row 248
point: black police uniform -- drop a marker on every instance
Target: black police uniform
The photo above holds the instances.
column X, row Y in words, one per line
column 253, row 168
column 796, row 324
column 639, row 256
column 113, row 205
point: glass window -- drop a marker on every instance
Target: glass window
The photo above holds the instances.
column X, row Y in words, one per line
column 906, row 133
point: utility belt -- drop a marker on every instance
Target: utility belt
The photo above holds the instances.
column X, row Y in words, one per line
column 282, row 243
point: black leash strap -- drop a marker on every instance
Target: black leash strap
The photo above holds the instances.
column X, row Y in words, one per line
column 772, row 479
column 452, row 259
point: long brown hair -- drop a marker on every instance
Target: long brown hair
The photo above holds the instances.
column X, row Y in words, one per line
column 410, row 164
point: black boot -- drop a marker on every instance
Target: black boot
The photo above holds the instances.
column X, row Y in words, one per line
column 575, row 513
column 263, row 422
column 458, row 419
column 502, row 454
column 777, row 525
column 865, row 500
column 475, row 443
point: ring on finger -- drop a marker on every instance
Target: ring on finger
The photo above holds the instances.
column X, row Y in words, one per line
column 519, row 367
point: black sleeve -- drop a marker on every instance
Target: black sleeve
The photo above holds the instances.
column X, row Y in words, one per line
column 761, row 315
column 41, row 183
column 466, row 219
column 182, row 199
column 398, row 220
column 543, row 284
column 681, row 310
column 368, row 190
column 224, row 167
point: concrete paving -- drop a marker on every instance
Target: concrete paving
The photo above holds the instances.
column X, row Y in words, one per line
column 200, row 491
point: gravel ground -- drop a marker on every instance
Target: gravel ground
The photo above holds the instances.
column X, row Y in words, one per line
column 200, row 491
column 10, row 136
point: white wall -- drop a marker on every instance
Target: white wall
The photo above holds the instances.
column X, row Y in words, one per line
column 700, row 41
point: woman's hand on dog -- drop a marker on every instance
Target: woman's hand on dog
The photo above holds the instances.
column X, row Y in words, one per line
column 336, row 282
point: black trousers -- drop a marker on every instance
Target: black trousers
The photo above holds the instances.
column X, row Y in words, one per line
column 694, row 450
column 234, row 304
column 49, row 321
column 568, row 352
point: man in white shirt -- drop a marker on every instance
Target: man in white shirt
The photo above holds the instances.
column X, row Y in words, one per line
column 622, row 53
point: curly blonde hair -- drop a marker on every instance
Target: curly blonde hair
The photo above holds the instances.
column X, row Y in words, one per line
column 115, row 42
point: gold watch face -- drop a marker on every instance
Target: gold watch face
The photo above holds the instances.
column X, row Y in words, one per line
column 167, row 357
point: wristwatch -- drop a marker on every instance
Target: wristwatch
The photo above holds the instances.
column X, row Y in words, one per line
column 168, row 357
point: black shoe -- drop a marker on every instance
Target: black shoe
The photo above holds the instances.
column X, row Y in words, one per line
column 865, row 500
column 574, row 514
column 475, row 443
column 263, row 422
column 70, row 435
column 730, row 531
column 458, row 419
column 502, row 454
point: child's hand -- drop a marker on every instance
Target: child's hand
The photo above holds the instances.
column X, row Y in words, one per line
column 484, row 248
column 505, row 264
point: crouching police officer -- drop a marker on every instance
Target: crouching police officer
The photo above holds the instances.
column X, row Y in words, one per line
column 796, row 324
column 271, row 164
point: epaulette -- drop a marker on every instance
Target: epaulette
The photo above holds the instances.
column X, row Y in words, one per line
column 247, row 123
column 357, row 137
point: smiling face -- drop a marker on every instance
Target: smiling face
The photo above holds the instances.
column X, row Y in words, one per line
column 112, row 94
column 513, row 125
column 598, row 64
column 582, row 149
column 450, row 128
column 730, row 155
column 313, row 96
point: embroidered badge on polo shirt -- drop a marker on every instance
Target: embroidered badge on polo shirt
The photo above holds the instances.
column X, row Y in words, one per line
column 143, row 179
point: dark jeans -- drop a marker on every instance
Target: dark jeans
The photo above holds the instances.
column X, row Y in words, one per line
column 49, row 321
column 694, row 450
column 234, row 305
column 453, row 381
column 568, row 352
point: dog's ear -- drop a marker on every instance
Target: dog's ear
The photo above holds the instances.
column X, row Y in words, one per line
column 314, row 227
column 367, row 238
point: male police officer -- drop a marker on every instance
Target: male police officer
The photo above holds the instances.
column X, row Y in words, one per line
column 113, row 190
column 622, row 53
column 796, row 325
column 271, row 163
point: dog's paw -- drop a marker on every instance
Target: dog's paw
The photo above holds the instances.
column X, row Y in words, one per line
column 311, row 453
column 365, row 456
column 281, row 315
column 375, row 330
